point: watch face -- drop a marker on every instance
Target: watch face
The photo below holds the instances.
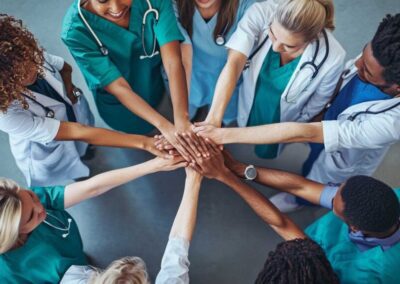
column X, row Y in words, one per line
column 251, row 173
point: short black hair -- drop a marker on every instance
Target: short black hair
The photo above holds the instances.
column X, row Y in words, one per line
column 386, row 48
column 298, row 261
column 369, row 204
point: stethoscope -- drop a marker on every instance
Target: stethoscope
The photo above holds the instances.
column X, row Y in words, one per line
column 220, row 40
column 308, row 64
column 65, row 228
column 104, row 49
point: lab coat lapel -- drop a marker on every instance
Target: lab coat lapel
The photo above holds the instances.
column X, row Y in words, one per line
column 57, row 84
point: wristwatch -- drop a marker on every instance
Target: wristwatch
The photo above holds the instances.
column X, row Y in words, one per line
column 77, row 92
column 250, row 172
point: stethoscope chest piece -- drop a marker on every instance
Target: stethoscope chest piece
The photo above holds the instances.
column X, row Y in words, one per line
column 220, row 40
column 50, row 113
column 104, row 50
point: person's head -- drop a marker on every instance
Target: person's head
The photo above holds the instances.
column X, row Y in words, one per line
column 21, row 60
column 227, row 10
column 297, row 261
column 379, row 63
column 116, row 11
column 127, row 270
column 20, row 213
column 367, row 205
column 296, row 23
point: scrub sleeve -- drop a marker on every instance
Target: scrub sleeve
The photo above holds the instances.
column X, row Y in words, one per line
column 125, row 48
column 271, row 84
column 46, row 255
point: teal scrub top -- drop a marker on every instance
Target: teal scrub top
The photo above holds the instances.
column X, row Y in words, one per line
column 46, row 255
column 125, row 48
column 351, row 264
column 205, row 50
column 271, row 84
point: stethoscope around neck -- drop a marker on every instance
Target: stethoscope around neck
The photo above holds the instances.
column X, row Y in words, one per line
column 104, row 50
column 60, row 226
column 312, row 65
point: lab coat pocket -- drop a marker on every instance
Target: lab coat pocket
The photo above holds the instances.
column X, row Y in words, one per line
column 338, row 159
column 47, row 158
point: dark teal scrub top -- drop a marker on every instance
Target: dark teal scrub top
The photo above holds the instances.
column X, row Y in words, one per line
column 271, row 84
column 125, row 49
column 46, row 255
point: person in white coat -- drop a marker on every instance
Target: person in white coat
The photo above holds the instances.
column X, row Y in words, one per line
column 293, row 63
column 40, row 107
column 358, row 125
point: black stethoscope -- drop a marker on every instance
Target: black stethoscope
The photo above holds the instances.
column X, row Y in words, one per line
column 308, row 64
column 368, row 111
column 220, row 40
column 49, row 113
column 104, row 50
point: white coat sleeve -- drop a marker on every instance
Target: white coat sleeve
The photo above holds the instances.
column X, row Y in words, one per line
column 326, row 88
column 250, row 27
column 374, row 132
column 175, row 263
column 24, row 125
column 56, row 61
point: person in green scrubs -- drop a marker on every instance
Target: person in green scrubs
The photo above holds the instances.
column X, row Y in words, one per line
column 121, row 60
column 39, row 240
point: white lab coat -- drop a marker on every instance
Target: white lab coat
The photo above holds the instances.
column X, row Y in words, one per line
column 356, row 147
column 251, row 31
column 42, row 160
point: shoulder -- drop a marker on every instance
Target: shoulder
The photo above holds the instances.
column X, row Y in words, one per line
column 336, row 50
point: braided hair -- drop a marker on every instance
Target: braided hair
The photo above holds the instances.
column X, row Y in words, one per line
column 298, row 261
column 386, row 48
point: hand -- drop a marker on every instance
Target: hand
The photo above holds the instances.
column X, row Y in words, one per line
column 206, row 130
column 212, row 166
column 66, row 75
column 170, row 164
column 235, row 166
column 192, row 174
column 149, row 146
column 193, row 144
column 162, row 144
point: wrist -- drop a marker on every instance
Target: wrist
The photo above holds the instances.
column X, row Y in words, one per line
column 225, row 175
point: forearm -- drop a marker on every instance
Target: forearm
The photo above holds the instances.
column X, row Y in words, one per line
column 285, row 132
column 100, row 184
column 264, row 208
column 185, row 220
column 187, row 55
column 99, row 136
column 66, row 73
column 290, row 183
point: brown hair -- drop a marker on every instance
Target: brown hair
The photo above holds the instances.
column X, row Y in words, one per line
column 306, row 17
column 18, row 47
column 226, row 15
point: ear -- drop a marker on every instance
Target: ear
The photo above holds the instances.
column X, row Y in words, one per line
column 353, row 228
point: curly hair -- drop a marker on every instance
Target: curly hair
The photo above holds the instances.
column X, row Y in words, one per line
column 18, row 47
column 298, row 261
column 369, row 204
column 386, row 48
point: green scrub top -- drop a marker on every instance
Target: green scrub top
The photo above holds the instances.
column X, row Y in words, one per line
column 271, row 84
column 351, row 264
column 125, row 48
column 46, row 255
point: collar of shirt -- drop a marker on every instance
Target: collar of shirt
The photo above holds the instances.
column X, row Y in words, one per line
column 365, row 243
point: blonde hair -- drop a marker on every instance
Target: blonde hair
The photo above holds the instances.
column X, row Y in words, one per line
column 10, row 214
column 306, row 17
column 127, row 270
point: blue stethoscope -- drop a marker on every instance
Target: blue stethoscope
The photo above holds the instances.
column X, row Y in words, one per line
column 104, row 49
column 291, row 98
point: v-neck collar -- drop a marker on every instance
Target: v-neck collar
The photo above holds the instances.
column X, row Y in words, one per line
column 211, row 23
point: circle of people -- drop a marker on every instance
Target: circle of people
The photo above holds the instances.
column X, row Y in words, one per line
column 272, row 67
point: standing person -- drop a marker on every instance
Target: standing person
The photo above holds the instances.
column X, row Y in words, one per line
column 175, row 262
column 358, row 126
column 39, row 240
column 40, row 109
column 207, row 26
column 120, row 45
column 294, row 64
column 361, row 236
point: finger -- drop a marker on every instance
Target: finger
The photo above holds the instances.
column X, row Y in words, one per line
column 184, row 149
column 201, row 123
column 192, row 141
column 197, row 168
column 197, row 129
column 213, row 146
column 202, row 146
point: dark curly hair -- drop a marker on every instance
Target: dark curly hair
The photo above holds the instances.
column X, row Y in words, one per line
column 18, row 48
column 369, row 204
column 298, row 261
column 386, row 48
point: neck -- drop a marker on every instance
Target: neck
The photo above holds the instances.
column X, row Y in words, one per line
column 383, row 235
column 208, row 13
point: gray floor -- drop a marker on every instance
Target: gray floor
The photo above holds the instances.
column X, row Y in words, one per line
column 231, row 243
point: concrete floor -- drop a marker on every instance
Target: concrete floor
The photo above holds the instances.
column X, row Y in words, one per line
column 230, row 243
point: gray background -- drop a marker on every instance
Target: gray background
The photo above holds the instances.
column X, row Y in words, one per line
column 230, row 242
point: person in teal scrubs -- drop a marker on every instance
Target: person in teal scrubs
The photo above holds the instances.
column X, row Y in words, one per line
column 361, row 238
column 39, row 240
column 121, row 59
column 207, row 26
